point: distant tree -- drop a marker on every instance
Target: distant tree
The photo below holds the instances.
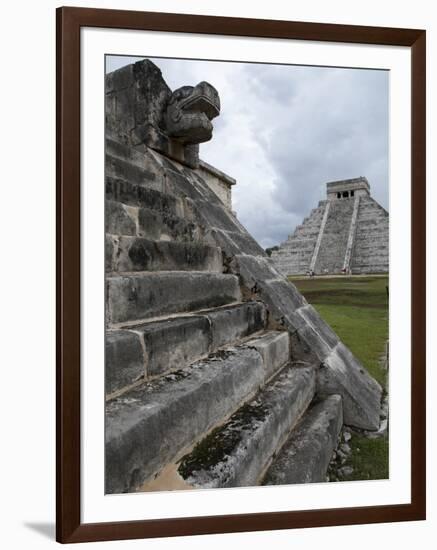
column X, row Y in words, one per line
column 271, row 249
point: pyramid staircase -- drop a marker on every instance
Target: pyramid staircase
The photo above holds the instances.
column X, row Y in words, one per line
column 346, row 235
column 335, row 237
column 202, row 387
column 371, row 238
column 295, row 254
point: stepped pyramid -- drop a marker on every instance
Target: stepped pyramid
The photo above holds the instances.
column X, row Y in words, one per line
column 218, row 372
column 347, row 233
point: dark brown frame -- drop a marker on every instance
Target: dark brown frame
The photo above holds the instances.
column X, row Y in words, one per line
column 68, row 524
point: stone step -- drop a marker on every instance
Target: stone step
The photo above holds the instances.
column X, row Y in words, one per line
column 372, row 224
column 124, row 360
column 301, row 246
column 144, row 295
column 176, row 342
column 300, row 239
column 309, row 226
column 376, row 217
column 130, row 169
column 229, row 324
column 122, row 219
column 374, row 213
column 307, row 233
column 274, row 346
column 364, row 258
column 140, row 254
column 376, row 230
column 294, row 259
column 374, row 267
column 380, row 244
column 305, row 456
column 149, row 426
column 374, row 233
column 370, row 268
column 372, row 227
column 370, row 258
column 296, row 237
column 237, row 453
column 140, row 158
column 133, row 194
column 380, row 247
column 372, row 251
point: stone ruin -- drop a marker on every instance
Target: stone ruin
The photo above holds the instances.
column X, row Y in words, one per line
column 218, row 372
column 346, row 233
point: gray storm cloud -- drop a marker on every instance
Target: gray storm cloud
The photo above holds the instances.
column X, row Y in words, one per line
column 285, row 130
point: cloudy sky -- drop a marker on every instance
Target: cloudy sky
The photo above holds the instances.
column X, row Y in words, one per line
column 285, row 130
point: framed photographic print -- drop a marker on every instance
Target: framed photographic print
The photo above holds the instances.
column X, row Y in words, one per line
column 241, row 274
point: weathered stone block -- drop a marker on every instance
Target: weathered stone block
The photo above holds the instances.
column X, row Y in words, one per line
column 119, row 219
column 155, row 294
column 230, row 323
column 164, row 226
column 132, row 194
column 237, row 453
column 255, row 269
column 109, row 251
column 125, row 170
column 282, row 297
column 314, row 320
column 147, row 427
column 174, row 343
column 274, row 348
column 305, row 456
column 315, row 345
column 124, row 360
column 139, row 254
column 341, row 373
column 120, row 79
column 233, row 242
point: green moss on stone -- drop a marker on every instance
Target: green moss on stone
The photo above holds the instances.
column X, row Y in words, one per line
column 219, row 444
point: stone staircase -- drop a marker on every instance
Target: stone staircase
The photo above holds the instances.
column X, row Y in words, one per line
column 201, row 390
column 348, row 233
column 371, row 251
column 330, row 258
column 294, row 255
column 218, row 372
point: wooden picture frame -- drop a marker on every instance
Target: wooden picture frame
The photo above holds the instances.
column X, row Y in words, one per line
column 68, row 521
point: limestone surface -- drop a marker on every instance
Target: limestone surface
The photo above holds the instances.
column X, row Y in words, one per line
column 238, row 453
column 142, row 435
column 200, row 322
column 305, row 457
column 347, row 233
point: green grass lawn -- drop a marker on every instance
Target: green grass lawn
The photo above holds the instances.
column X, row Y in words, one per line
column 369, row 458
column 357, row 309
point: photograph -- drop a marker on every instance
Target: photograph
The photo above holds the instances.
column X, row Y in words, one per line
column 246, row 274
column 224, row 232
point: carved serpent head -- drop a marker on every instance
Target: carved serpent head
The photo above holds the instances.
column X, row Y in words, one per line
column 190, row 111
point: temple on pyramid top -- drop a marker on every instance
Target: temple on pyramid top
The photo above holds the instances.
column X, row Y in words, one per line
column 347, row 189
column 346, row 233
